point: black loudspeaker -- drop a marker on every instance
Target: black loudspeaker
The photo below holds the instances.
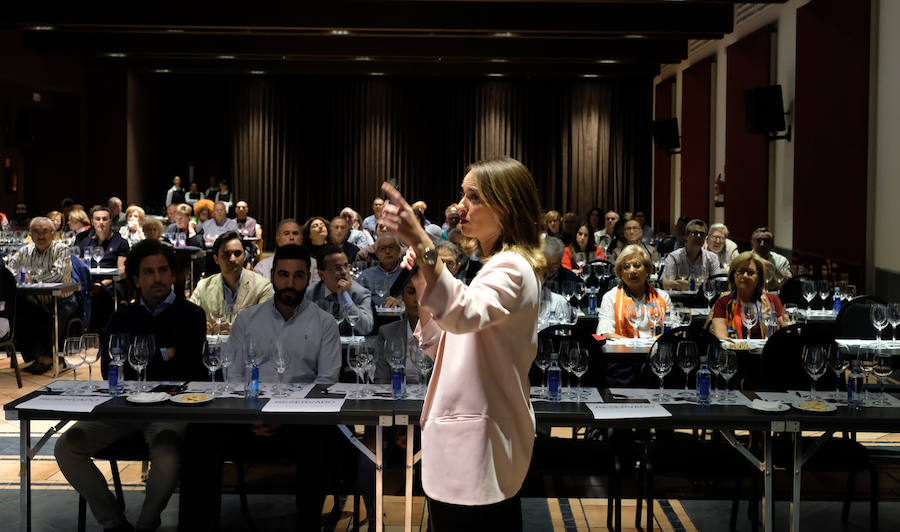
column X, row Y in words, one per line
column 764, row 110
column 665, row 134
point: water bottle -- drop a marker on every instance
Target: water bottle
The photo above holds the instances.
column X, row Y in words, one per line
column 553, row 378
column 251, row 383
column 667, row 322
column 592, row 304
column 398, row 372
column 703, row 379
column 693, row 283
column 116, row 371
column 836, row 306
column 855, row 383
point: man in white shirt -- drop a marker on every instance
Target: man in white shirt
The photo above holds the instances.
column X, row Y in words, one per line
column 288, row 232
column 691, row 261
column 371, row 220
column 175, row 195
column 218, row 224
column 603, row 238
column 763, row 242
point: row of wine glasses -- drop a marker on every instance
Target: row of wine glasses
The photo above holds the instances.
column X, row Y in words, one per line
column 78, row 350
column 572, row 358
column 721, row 362
column 882, row 315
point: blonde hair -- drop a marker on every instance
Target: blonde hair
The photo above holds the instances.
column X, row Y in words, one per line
column 79, row 216
column 185, row 209
column 552, row 216
column 630, row 251
column 136, row 210
column 507, row 188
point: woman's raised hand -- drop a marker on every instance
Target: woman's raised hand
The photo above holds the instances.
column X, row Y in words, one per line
column 399, row 218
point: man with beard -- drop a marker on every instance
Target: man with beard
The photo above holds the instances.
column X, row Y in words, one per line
column 309, row 338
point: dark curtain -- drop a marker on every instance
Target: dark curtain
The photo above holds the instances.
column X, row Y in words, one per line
column 310, row 146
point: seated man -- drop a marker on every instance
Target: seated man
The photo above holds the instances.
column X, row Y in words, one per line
column 218, row 224
column 247, row 228
column 557, row 276
column 234, row 288
column 357, row 236
column 691, row 261
column 337, row 292
column 452, row 257
column 45, row 260
column 339, row 234
column 288, row 233
column 178, row 327
column 372, row 220
column 181, row 230
column 381, row 277
column 763, row 242
column 115, row 249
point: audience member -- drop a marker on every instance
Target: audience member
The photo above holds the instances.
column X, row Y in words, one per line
column 224, row 195
column 691, row 261
column 395, row 330
column 194, row 195
column 357, row 236
column 746, row 276
column 218, row 225
column 647, row 231
column 605, row 237
column 175, row 195
column 178, row 329
column 763, row 242
column 288, row 232
column 203, row 210
column 338, row 232
column 594, row 221
column 581, row 250
column 722, row 246
column 116, row 216
column 631, row 234
column 78, row 222
column 182, row 230
column 557, row 277
column 420, row 207
column 246, row 225
column 372, row 220
column 153, row 229
column 234, row 288
column 133, row 231
column 315, row 237
column 452, row 257
column 451, row 216
column 213, row 189
column 115, row 250
column 57, row 218
column 569, row 227
column 46, row 260
column 380, row 278
column 633, row 267
column 21, row 218
column 552, row 220
column 170, row 212
column 337, row 292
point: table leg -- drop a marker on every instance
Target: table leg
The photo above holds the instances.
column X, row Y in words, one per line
column 25, row 475
column 115, row 295
column 410, row 437
column 379, row 486
column 54, row 348
column 797, row 464
column 768, row 509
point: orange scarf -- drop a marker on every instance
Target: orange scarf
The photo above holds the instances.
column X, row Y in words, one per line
column 624, row 303
column 733, row 316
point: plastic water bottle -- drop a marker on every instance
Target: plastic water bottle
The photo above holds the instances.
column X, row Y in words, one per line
column 855, row 385
column 116, row 371
column 592, row 304
column 836, row 305
column 251, row 384
column 553, row 378
column 398, row 377
column 693, row 283
column 667, row 322
column 703, row 379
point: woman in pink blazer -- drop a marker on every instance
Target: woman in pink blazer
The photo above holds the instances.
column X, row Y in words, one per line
column 477, row 422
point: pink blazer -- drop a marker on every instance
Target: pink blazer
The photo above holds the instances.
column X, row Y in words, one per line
column 477, row 422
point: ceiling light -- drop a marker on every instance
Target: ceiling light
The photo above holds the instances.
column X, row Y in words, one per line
column 362, row 58
column 376, row 73
column 340, row 32
column 504, row 34
column 498, row 60
column 608, row 61
column 634, row 36
column 226, row 57
column 495, row 75
column 590, row 76
column 114, row 54
column 257, row 72
column 41, row 28
column 174, row 30
column 161, row 71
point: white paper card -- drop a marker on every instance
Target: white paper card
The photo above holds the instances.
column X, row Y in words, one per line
column 588, row 395
column 300, row 404
column 64, row 403
column 627, row 410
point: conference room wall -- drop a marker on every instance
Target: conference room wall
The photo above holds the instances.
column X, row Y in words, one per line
column 695, row 140
column 662, row 160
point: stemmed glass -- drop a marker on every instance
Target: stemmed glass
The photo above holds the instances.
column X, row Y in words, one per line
column 879, row 315
column 38, row 275
column 280, row 360
column 815, row 364
column 838, row 360
column 728, row 365
column 226, row 357
column 580, row 361
column 655, row 316
column 568, row 291
column 749, row 317
column 73, row 354
column 118, row 351
column 893, row 312
column 424, row 364
column 580, row 290
column 567, row 359
column 212, row 360
column 91, row 345
column 684, row 316
column 635, row 315
column 542, row 361
column 866, row 356
column 97, row 253
column 808, row 290
column 564, row 347
column 367, row 348
column 687, row 356
column 137, row 359
column 661, row 362
column 883, row 369
column 580, row 261
column 380, row 288
column 87, row 256
column 824, row 289
column 709, row 292
column 713, row 358
column 357, row 362
column 790, row 314
column 351, row 314
column 145, row 346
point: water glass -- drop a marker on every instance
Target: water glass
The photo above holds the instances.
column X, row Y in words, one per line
column 687, row 357
column 884, row 368
column 661, row 362
column 838, row 361
column 213, row 361
column 814, row 362
column 542, row 362
column 280, row 360
column 91, row 345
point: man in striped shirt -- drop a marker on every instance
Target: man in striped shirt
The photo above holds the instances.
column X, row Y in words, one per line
column 44, row 260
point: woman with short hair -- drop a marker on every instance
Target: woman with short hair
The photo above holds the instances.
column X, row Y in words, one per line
column 133, row 231
column 717, row 242
column 746, row 278
column 633, row 267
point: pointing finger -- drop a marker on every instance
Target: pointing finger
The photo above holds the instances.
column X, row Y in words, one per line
column 394, row 195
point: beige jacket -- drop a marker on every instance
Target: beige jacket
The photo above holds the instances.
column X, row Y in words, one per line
column 253, row 289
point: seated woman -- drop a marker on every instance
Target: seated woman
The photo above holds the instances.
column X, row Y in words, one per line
column 133, row 231
column 583, row 243
column 631, row 235
column 718, row 242
column 633, row 267
column 746, row 278
column 552, row 220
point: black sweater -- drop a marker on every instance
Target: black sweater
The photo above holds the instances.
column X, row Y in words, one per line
column 181, row 326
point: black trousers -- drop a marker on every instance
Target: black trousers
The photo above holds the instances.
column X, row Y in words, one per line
column 505, row 515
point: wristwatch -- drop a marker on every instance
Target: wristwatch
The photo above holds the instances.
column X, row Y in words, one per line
column 428, row 256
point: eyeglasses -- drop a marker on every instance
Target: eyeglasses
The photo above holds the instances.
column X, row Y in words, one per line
column 749, row 273
column 717, row 238
column 339, row 268
column 389, row 248
column 700, row 234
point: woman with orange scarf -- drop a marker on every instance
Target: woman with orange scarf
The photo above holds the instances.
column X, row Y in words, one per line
column 745, row 277
column 633, row 267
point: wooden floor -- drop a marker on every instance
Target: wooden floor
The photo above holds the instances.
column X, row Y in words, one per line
column 548, row 514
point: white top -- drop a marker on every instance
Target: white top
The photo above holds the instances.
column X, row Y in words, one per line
column 679, row 265
column 607, row 314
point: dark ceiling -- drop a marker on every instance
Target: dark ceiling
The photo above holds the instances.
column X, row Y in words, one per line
column 599, row 38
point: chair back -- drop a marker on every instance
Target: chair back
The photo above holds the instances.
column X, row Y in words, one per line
column 81, row 274
column 781, row 363
column 596, row 373
column 792, row 291
column 667, row 245
column 8, row 293
column 853, row 319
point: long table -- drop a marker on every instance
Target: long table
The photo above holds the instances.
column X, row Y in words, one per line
column 380, row 413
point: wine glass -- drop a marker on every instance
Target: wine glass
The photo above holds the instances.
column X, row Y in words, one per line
column 564, row 347
column 661, row 362
column 73, row 354
column 687, row 356
column 356, row 361
column 226, row 357
column 146, row 345
column 878, row 313
column 118, row 351
column 893, row 312
column 91, row 345
column 367, row 348
column 814, row 364
column 808, row 290
column 790, row 314
column 280, row 361
column 97, row 253
column 655, row 316
column 866, row 357
column 38, row 275
column 542, row 361
column 713, row 358
column 87, row 256
column 580, row 290
column 138, row 362
column 838, row 360
column 424, row 364
column 568, row 290
column 824, row 289
column 380, row 288
column 567, row 361
column 212, row 360
column 580, row 361
column 771, row 321
column 635, row 315
column 709, row 292
column 728, row 365
column 580, row 261
column 351, row 315
column 749, row 316
column 883, row 369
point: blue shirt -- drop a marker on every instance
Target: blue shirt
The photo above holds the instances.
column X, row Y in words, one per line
column 231, row 297
column 375, row 279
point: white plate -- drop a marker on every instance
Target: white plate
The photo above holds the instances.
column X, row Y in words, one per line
column 829, row 407
column 148, row 398
column 782, row 407
column 192, row 398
